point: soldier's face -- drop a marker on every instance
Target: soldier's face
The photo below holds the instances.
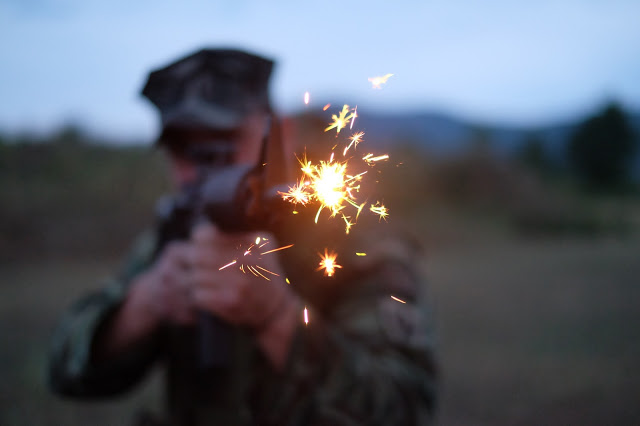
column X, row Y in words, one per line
column 189, row 151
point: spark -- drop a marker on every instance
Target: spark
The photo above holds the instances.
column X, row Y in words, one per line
column 369, row 158
column 326, row 107
column 278, row 249
column 360, row 207
column 398, row 300
column 287, row 280
column 307, row 166
column 380, row 210
column 331, row 184
column 328, row 263
column 297, row 193
column 257, row 273
column 306, row 98
column 251, row 252
column 355, row 114
column 233, row 262
column 348, row 223
column 341, row 120
column 360, row 254
column 355, row 139
column 376, row 82
column 306, row 315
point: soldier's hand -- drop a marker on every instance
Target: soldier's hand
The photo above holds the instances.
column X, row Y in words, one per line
column 237, row 297
column 166, row 286
column 160, row 294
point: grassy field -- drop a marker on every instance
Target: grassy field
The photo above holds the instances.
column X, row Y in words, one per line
column 539, row 332
column 531, row 332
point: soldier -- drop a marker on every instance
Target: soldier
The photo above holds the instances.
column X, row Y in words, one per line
column 363, row 358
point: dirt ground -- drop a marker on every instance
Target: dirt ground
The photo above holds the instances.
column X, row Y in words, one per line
column 531, row 332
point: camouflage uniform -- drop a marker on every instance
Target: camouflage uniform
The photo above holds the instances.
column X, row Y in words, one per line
column 363, row 358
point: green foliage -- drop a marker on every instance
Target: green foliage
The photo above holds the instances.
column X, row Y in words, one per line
column 70, row 197
column 533, row 155
column 602, row 150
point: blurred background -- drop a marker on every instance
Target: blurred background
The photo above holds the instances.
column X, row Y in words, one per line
column 514, row 135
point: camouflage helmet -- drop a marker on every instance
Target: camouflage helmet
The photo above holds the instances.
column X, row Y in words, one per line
column 210, row 89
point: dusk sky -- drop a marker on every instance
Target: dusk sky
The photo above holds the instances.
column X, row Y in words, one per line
column 516, row 63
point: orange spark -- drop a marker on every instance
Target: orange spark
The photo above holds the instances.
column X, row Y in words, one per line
column 380, row 210
column 355, row 139
column 341, row 120
column 398, row 300
column 297, row 194
column 369, row 158
column 376, row 82
column 251, row 265
column 255, row 272
column 348, row 223
column 328, row 263
column 326, row 107
column 233, row 262
column 277, row 249
column 329, row 183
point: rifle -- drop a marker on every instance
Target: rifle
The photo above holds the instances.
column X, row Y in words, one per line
column 235, row 198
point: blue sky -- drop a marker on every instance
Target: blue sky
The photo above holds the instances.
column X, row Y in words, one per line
column 519, row 63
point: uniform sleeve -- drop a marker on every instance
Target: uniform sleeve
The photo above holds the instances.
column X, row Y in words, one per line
column 371, row 361
column 72, row 371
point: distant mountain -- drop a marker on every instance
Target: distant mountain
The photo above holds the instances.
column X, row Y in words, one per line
column 437, row 132
column 443, row 134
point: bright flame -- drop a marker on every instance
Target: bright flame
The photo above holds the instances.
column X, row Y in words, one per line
column 306, row 315
column 376, row 82
column 330, row 184
column 328, row 263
